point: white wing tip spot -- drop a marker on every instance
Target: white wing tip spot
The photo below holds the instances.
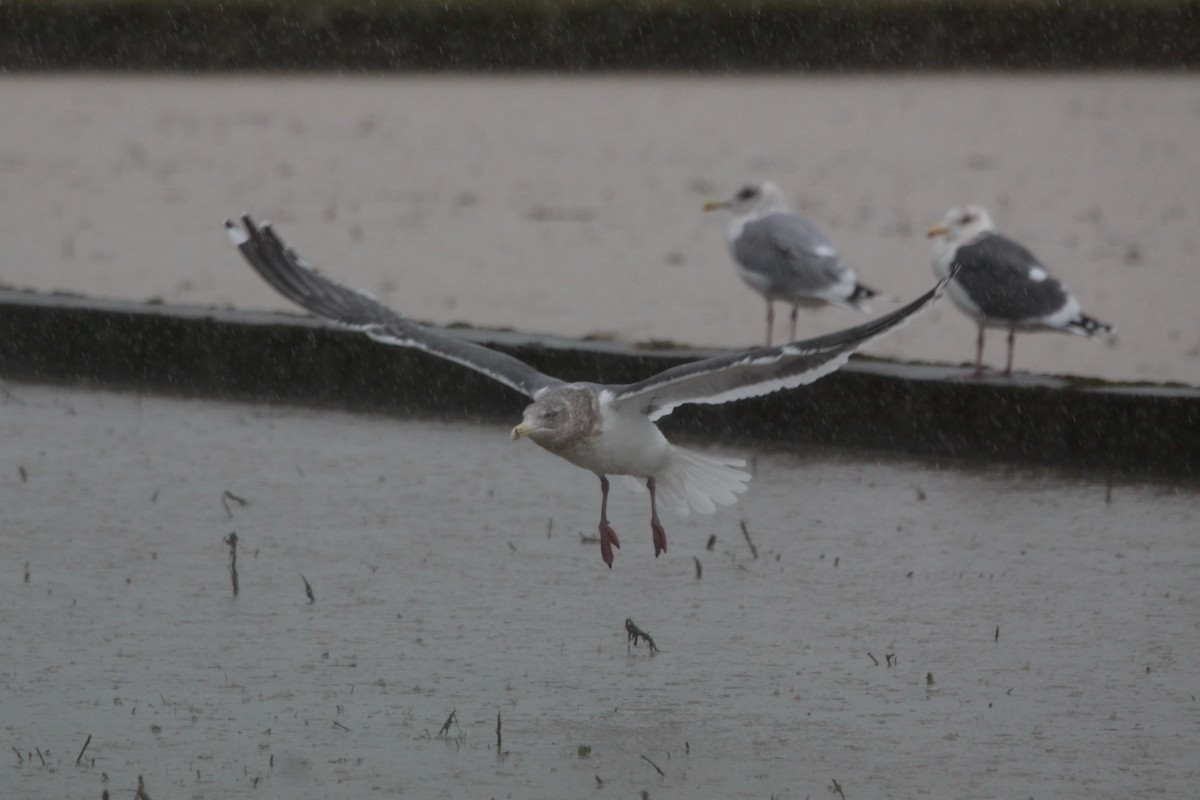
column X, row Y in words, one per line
column 236, row 234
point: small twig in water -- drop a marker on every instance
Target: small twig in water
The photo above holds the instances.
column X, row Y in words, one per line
column 446, row 725
column 141, row 792
column 340, row 725
column 498, row 740
column 633, row 633
column 20, row 760
column 81, row 752
column 997, row 637
column 837, row 787
column 746, row 533
column 890, row 658
column 874, row 660
column 661, row 774
column 929, row 679
column 699, row 569
column 712, row 540
column 38, row 750
column 232, row 540
column 226, row 497
column 308, row 589
column 27, row 572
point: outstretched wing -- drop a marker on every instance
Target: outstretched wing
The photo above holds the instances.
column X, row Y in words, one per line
column 303, row 284
column 763, row 370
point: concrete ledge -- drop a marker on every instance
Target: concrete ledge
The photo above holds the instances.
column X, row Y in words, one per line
column 1123, row 431
column 513, row 36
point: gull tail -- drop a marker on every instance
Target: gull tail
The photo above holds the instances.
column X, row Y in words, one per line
column 1088, row 326
column 699, row 481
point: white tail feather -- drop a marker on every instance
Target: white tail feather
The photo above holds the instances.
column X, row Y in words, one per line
column 695, row 480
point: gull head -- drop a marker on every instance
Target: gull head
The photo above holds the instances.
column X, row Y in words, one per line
column 961, row 225
column 561, row 420
column 753, row 198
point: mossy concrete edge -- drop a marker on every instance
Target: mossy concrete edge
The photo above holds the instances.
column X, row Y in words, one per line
column 152, row 35
column 1124, row 431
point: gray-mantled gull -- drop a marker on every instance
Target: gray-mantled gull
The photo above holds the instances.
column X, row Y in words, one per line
column 784, row 256
column 608, row 430
column 1000, row 284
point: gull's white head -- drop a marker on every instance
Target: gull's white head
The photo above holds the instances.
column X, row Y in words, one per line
column 961, row 225
column 757, row 199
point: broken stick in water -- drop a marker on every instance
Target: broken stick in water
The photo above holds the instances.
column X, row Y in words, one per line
column 81, row 752
column 446, row 725
column 746, row 533
column 226, row 497
column 661, row 774
column 308, row 589
column 633, row 633
column 232, row 540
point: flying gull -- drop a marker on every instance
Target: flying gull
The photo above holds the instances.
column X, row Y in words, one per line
column 1000, row 284
column 784, row 256
column 606, row 429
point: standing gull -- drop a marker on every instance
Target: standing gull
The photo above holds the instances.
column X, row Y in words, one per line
column 783, row 256
column 607, row 429
column 1000, row 284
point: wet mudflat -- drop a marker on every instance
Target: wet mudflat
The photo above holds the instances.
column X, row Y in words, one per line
column 905, row 628
column 571, row 205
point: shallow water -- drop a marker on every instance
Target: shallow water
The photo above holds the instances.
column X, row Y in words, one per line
column 1041, row 639
column 571, row 205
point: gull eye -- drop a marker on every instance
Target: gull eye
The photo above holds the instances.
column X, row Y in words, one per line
column 966, row 219
column 552, row 414
column 749, row 193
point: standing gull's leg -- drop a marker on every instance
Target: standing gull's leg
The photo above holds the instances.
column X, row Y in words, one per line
column 660, row 535
column 770, row 319
column 795, row 311
column 979, row 354
column 1012, row 338
column 608, row 537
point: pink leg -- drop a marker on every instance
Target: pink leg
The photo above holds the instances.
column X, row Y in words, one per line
column 1012, row 338
column 608, row 537
column 660, row 535
column 770, row 320
column 795, row 311
column 979, row 355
